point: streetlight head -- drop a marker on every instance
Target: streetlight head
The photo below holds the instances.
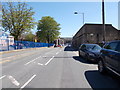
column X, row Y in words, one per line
column 75, row 12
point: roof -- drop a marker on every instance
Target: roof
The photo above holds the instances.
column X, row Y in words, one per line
column 3, row 34
column 115, row 41
column 89, row 44
column 90, row 24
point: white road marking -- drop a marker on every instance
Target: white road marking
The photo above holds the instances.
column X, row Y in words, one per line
column 32, row 61
column 15, row 82
column 49, row 60
column 57, row 53
column 40, row 64
column 29, row 62
column 28, row 81
column 2, row 77
column 44, row 56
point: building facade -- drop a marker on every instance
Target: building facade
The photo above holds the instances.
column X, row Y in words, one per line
column 63, row 41
column 67, row 40
column 93, row 33
column 5, row 40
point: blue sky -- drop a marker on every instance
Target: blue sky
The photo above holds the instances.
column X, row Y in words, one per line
column 63, row 13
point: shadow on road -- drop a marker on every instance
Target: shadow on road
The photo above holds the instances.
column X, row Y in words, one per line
column 97, row 80
column 67, row 48
column 80, row 59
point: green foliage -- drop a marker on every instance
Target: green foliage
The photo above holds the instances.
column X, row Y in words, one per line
column 48, row 29
column 29, row 36
column 17, row 18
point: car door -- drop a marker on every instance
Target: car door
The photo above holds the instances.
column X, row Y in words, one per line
column 110, row 55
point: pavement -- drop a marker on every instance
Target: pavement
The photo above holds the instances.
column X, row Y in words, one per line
column 51, row 68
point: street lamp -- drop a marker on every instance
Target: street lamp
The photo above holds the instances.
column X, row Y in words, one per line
column 82, row 14
column 8, row 42
column 103, row 21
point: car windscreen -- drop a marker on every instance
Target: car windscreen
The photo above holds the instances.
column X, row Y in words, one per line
column 93, row 47
column 89, row 47
column 96, row 48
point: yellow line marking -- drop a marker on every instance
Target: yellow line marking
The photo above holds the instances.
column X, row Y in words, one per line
column 21, row 50
column 5, row 61
column 17, row 56
column 1, row 60
column 9, row 57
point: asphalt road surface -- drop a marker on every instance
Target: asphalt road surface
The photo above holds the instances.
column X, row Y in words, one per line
column 51, row 68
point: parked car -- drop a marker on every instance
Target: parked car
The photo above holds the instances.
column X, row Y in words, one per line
column 59, row 46
column 110, row 58
column 90, row 51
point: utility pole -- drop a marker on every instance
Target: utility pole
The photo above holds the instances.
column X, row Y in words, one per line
column 103, row 21
column 48, row 38
column 8, row 42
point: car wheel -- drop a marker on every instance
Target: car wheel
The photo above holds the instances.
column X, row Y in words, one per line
column 101, row 67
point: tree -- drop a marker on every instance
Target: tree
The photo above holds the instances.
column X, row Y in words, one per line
column 48, row 29
column 29, row 36
column 17, row 18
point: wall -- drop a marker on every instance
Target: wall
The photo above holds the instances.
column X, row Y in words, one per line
column 93, row 33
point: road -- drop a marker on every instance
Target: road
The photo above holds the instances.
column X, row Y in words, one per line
column 51, row 68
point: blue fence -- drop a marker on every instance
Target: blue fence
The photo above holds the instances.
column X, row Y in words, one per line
column 29, row 44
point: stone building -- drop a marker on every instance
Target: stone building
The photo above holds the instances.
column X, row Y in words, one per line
column 63, row 40
column 67, row 40
column 93, row 33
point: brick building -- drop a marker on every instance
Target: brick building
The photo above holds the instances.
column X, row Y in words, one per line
column 93, row 33
column 67, row 40
column 63, row 40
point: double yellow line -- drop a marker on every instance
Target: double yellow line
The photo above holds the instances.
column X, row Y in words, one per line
column 4, row 60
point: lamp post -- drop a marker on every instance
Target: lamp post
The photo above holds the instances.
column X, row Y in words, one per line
column 82, row 14
column 8, row 42
column 103, row 21
column 48, row 35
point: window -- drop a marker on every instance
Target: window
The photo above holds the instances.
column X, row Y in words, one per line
column 111, row 46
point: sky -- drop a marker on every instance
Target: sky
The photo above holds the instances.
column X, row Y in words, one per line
column 63, row 13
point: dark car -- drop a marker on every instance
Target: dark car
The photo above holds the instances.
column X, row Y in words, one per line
column 110, row 58
column 90, row 52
